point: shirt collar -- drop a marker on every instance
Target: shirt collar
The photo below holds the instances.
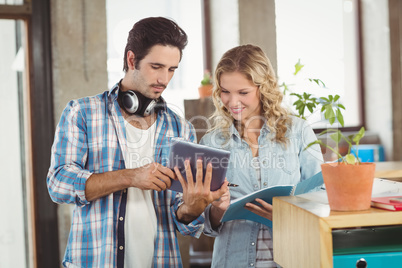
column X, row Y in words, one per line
column 235, row 135
column 265, row 129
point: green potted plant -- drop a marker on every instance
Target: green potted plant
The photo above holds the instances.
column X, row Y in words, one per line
column 205, row 89
column 348, row 181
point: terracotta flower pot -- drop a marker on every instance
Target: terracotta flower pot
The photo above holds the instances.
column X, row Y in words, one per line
column 205, row 91
column 349, row 187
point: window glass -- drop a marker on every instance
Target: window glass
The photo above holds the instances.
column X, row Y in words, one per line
column 14, row 226
column 323, row 35
column 11, row 2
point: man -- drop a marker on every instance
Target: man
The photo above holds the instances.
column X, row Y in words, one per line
column 109, row 157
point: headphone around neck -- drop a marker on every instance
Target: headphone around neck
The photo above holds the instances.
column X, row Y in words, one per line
column 134, row 102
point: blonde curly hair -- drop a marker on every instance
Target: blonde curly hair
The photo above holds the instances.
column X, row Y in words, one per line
column 252, row 62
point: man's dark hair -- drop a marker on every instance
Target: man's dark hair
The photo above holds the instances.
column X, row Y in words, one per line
column 153, row 31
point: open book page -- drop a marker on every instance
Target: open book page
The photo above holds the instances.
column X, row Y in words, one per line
column 236, row 210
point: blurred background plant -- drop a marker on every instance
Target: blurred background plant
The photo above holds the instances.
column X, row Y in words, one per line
column 207, row 79
column 331, row 109
column 328, row 104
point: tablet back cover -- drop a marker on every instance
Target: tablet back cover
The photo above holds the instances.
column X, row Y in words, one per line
column 181, row 150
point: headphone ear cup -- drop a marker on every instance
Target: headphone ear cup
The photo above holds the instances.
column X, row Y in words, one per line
column 150, row 107
column 130, row 102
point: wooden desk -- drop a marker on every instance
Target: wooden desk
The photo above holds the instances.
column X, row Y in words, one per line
column 302, row 230
column 389, row 170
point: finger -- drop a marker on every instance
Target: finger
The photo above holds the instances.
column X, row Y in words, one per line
column 163, row 178
column 221, row 192
column 208, row 177
column 167, row 171
column 259, row 210
column 199, row 174
column 181, row 179
column 159, row 185
column 255, row 209
column 189, row 174
column 266, row 205
column 150, row 185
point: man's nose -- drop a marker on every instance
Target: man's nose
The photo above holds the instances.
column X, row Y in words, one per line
column 163, row 77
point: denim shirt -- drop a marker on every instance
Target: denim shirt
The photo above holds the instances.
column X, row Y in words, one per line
column 235, row 242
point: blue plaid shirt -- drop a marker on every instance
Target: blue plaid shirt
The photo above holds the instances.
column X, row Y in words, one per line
column 91, row 138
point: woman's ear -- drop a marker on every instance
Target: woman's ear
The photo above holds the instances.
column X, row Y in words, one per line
column 130, row 60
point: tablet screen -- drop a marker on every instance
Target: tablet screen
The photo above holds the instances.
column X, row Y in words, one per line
column 181, row 150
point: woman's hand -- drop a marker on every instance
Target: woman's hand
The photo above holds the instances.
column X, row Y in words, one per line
column 223, row 202
column 265, row 210
column 218, row 208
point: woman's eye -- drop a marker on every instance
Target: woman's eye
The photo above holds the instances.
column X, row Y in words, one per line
column 243, row 93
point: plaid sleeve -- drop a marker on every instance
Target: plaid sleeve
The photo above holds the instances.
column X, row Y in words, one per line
column 194, row 228
column 67, row 174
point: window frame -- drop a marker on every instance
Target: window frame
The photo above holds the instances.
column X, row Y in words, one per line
column 36, row 16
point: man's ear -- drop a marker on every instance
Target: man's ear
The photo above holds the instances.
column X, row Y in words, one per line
column 130, row 60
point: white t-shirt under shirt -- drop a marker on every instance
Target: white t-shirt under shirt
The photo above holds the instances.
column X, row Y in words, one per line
column 140, row 223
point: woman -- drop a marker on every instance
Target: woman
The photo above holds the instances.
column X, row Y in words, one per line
column 267, row 148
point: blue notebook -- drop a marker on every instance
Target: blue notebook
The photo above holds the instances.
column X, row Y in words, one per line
column 236, row 210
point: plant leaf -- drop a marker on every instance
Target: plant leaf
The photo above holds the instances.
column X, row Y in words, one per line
column 298, row 67
column 312, row 143
column 336, row 136
column 350, row 159
column 341, row 106
column 324, row 99
column 340, row 117
column 329, row 114
column 336, row 98
column 359, row 135
column 295, row 94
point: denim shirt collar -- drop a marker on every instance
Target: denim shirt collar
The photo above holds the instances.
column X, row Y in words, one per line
column 236, row 135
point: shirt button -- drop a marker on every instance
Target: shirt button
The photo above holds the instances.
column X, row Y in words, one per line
column 253, row 244
column 265, row 184
column 121, row 247
column 255, row 186
column 125, row 190
column 251, row 264
column 121, row 218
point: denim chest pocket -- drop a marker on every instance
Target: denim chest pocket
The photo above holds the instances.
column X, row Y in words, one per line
column 288, row 162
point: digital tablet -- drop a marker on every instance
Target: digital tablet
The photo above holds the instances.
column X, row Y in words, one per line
column 181, row 150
